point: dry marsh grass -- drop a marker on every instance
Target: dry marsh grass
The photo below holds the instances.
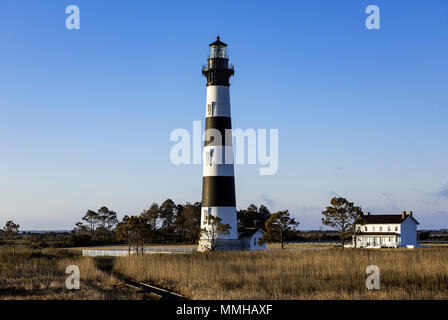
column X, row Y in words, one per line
column 40, row 275
column 295, row 274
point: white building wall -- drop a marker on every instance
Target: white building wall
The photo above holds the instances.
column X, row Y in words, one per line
column 218, row 161
column 407, row 234
column 251, row 243
column 385, row 227
column 218, row 101
column 228, row 216
column 254, row 241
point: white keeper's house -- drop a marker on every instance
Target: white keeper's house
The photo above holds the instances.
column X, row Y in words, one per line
column 249, row 239
column 386, row 231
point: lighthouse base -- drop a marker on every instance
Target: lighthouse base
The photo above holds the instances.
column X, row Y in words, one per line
column 221, row 245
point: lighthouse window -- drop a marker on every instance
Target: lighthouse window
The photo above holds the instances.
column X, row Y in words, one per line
column 210, row 157
column 218, row 51
column 209, row 109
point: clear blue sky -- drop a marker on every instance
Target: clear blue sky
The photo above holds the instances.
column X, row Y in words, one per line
column 86, row 115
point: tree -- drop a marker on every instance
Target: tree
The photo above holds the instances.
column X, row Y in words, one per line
column 9, row 232
column 122, row 232
column 92, row 220
column 342, row 215
column 277, row 227
column 213, row 231
column 263, row 214
column 152, row 215
column 179, row 222
column 107, row 219
column 100, row 225
column 167, row 214
column 80, row 228
column 247, row 217
column 192, row 221
column 135, row 231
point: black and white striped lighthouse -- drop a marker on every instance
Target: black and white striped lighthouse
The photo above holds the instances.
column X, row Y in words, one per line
column 218, row 184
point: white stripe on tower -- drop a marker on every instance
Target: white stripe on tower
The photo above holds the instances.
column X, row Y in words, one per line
column 218, row 186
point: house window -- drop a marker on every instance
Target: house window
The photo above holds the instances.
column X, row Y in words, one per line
column 255, row 241
column 373, row 228
column 381, row 228
column 388, row 228
column 396, row 228
column 205, row 214
column 365, row 228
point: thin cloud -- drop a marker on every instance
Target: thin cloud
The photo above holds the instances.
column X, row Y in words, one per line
column 388, row 196
column 335, row 194
column 443, row 192
column 268, row 200
column 337, row 168
column 391, row 208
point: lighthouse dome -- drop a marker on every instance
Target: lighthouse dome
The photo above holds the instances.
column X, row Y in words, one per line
column 218, row 49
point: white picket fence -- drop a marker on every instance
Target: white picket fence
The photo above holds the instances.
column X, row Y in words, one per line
column 124, row 253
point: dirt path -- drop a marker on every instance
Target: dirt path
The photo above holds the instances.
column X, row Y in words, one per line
column 107, row 264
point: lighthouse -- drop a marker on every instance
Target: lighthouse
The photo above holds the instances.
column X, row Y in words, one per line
column 218, row 181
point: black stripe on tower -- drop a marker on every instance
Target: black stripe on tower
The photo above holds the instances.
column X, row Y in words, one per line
column 221, row 124
column 218, row 191
column 218, row 72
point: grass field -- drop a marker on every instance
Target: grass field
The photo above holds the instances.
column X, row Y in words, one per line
column 299, row 273
column 295, row 274
column 40, row 275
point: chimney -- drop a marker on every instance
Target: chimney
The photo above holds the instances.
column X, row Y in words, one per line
column 368, row 214
column 403, row 215
column 410, row 213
